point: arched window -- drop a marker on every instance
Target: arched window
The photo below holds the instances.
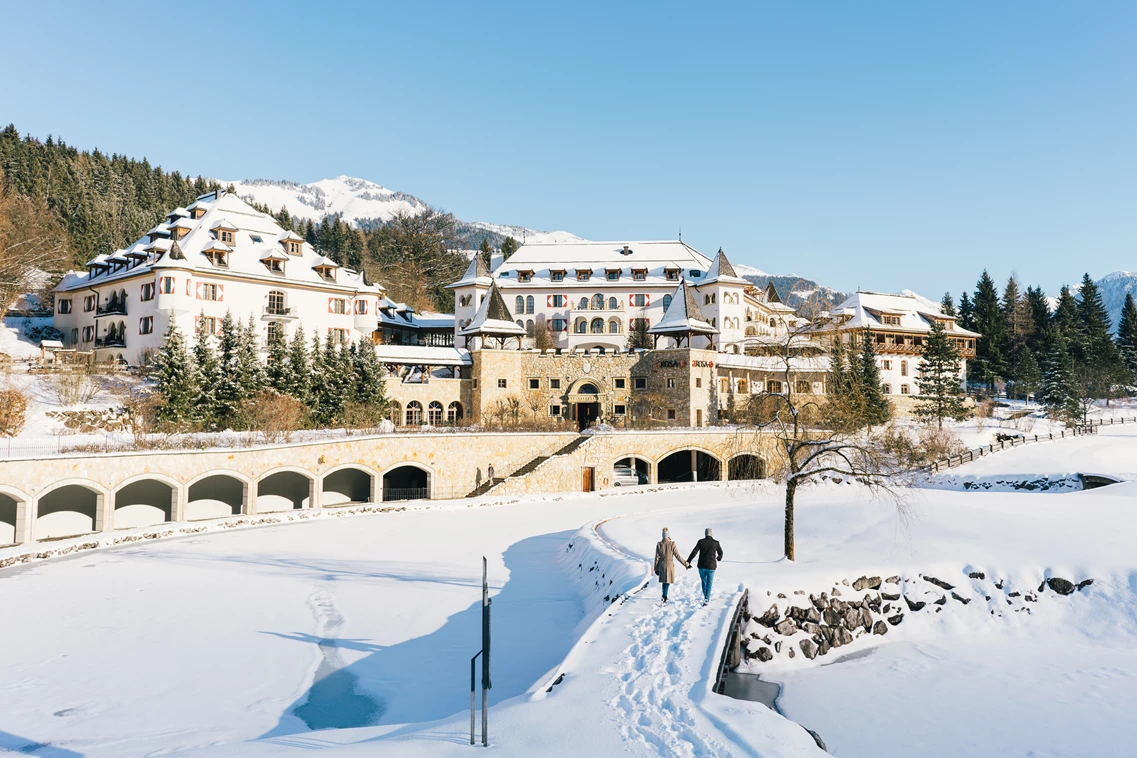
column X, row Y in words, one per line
column 529, row 304
column 773, row 322
column 581, row 326
column 584, row 303
column 597, row 326
column 612, row 304
column 521, row 323
column 454, row 412
column 597, row 302
column 529, row 328
column 275, row 332
column 520, row 302
column 666, row 302
column 276, row 303
column 613, row 327
column 750, row 331
column 434, row 413
column 414, row 413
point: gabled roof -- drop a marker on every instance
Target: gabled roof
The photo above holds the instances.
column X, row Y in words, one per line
column 325, row 262
column 179, row 212
column 493, row 317
column 476, row 273
column 864, row 310
column 683, row 315
column 772, row 294
column 274, row 255
column 222, row 223
column 217, row 246
column 722, row 271
column 293, row 236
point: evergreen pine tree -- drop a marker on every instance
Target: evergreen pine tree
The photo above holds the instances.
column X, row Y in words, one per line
column 228, row 385
column 877, row 409
column 1127, row 337
column 174, row 375
column 250, row 372
column 947, row 305
column 1065, row 318
column 1028, row 375
column 317, row 379
column 370, row 385
column 1039, row 308
column 941, row 392
column 1058, row 390
column 485, row 250
column 207, row 372
column 966, row 312
column 508, row 247
column 276, row 365
column 990, row 323
column 298, row 379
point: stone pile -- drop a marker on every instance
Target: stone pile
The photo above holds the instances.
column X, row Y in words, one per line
column 86, row 421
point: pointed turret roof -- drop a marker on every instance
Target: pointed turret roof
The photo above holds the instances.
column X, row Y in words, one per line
column 683, row 315
column 722, row 271
column 493, row 318
column 772, row 294
column 476, row 273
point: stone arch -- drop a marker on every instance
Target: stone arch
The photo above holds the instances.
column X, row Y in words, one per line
column 638, row 463
column 688, row 464
column 71, row 507
column 597, row 302
column 454, row 412
column 581, row 326
column 12, row 501
column 349, row 484
column 413, row 416
column 434, row 413
column 408, row 480
column 597, row 326
column 285, row 488
column 217, row 494
column 746, row 466
column 145, row 500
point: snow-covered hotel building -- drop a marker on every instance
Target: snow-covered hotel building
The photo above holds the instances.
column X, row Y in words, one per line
column 898, row 325
column 220, row 254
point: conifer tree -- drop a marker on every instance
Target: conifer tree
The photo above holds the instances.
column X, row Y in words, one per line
column 174, row 375
column 1028, row 375
column 1066, row 320
column 1039, row 308
column 1100, row 351
column 298, row 378
column 228, row 387
column 370, row 386
column 276, row 365
column 485, row 250
column 250, row 372
column 1127, row 337
column 1058, row 390
column 947, row 305
column 966, row 312
column 877, row 409
column 508, row 247
column 941, row 393
column 990, row 323
column 207, row 372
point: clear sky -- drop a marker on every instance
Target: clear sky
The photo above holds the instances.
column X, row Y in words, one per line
column 878, row 145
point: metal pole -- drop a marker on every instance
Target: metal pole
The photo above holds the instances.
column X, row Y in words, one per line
column 486, row 684
column 473, row 689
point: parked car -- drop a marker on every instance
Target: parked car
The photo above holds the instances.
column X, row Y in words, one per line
column 626, row 476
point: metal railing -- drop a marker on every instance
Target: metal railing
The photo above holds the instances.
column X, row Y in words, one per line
column 405, row 493
column 110, row 342
column 112, row 309
column 732, row 650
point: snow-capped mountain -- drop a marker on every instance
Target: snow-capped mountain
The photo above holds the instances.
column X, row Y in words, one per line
column 364, row 203
column 1113, row 288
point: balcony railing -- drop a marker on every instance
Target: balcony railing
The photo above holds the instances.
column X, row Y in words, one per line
column 110, row 342
column 277, row 312
column 111, row 309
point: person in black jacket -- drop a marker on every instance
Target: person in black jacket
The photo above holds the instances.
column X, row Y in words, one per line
column 710, row 553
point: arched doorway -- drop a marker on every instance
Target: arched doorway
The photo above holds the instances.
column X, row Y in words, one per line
column 585, row 400
column 284, row 491
column 143, row 503
column 407, row 482
column 689, row 466
column 8, row 505
column 640, row 467
column 67, row 511
column 347, row 486
column 746, row 466
column 215, row 496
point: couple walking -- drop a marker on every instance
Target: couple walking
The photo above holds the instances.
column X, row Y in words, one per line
column 709, row 551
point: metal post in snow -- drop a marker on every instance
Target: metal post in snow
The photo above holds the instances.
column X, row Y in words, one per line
column 486, row 684
column 473, row 689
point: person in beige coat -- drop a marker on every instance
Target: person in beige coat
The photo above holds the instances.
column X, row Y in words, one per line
column 665, row 550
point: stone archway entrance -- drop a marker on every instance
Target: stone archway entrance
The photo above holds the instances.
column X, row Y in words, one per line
column 584, row 399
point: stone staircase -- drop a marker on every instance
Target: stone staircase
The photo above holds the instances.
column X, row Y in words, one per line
column 528, row 468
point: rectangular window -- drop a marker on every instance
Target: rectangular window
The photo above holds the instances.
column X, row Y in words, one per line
column 618, row 410
column 614, row 275
column 146, row 325
column 166, row 284
column 886, row 365
column 148, row 291
column 339, row 305
column 557, row 276
column 724, row 385
column 774, row 387
column 361, row 307
column 903, row 389
column 88, row 333
column 639, row 300
column 209, row 292
column 501, row 384
column 524, row 276
column 639, row 275
column 620, row 383
column 802, row 387
column 742, row 387
column 672, row 274
column 256, row 239
column 211, row 324
column 886, row 389
column 225, row 236
column 558, row 301
column 670, row 414
column 670, row 384
column 696, row 274
column 558, row 325
column 74, row 336
column 338, row 336
column 64, row 306
column 554, row 384
column 583, row 275
column 698, row 382
column 534, row 384
column 904, row 368
column 88, row 303
column 554, row 410
column 639, row 382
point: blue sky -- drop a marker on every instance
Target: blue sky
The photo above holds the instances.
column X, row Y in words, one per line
column 878, row 145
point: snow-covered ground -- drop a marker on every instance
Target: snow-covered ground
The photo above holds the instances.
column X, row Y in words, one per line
column 210, row 644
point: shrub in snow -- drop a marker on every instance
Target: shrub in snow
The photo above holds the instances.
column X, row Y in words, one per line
column 13, row 411
column 74, row 387
column 274, row 415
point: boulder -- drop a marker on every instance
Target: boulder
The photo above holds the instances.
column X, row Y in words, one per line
column 894, row 620
column 888, row 596
column 770, row 617
column 832, row 617
column 841, row 637
column 976, row 575
column 786, row 627
column 999, row 584
column 964, row 600
column 914, row 606
column 1085, row 583
column 781, row 596
column 807, row 648
column 887, row 608
column 867, row 583
column 942, row 600
column 878, row 628
column 764, row 654
column 820, row 603
column 939, row 583
column 838, row 605
column 810, row 628
column 836, row 592
column 893, row 580
column 1042, row 586
column 866, row 619
column 852, row 618
column 824, row 647
column 1061, row 586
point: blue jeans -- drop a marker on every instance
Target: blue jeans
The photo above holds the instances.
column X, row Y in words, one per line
column 706, row 576
column 665, row 586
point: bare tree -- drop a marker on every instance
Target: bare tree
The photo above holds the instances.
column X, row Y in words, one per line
column 32, row 243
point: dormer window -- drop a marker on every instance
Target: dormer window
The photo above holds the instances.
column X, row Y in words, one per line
column 695, row 273
column 197, row 213
column 524, row 276
column 672, row 274
column 274, row 265
column 224, row 231
column 613, row 274
column 890, row 320
column 218, row 258
column 226, row 236
column 639, row 274
column 326, row 272
column 557, row 275
column 583, row 274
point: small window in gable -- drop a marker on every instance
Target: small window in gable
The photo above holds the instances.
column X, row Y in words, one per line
column 557, row 276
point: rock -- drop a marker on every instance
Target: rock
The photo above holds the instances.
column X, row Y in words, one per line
column 887, row 608
column 1061, row 586
column 778, row 647
column 764, row 654
column 845, row 582
column 867, row 583
column 866, row 619
column 1085, row 583
column 841, row 637
column 799, row 592
column 894, row 620
column 964, row 600
column 1029, row 598
column 1042, row 586
column 852, row 618
column 808, row 649
column 878, row 628
column 770, row 617
column 888, row 596
column 976, row 575
column 814, row 615
column 893, row 580
column 939, row 583
column 820, row 603
column 786, row 627
column 832, row 617
column 836, row 592
column 999, row 584
column 1014, row 594
column 914, row 606
column 781, row 596
column 941, row 601
column 791, row 652
column 838, row 605
column 766, row 639
column 810, row 628
column 824, row 647
column 816, row 738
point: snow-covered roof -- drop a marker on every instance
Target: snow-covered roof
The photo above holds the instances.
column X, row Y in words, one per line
column 654, row 257
column 476, row 273
column 863, row 310
column 274, row 255
column 222, row 223
column 493, row 317
column 183, row 223
column 218, row 247
column 246, row 256
column 722, row 271
column 178, row 212
column 425, row 356
column 805, row 364
column 682, row 315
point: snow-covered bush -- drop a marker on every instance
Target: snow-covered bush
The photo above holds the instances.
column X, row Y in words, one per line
column 273, row 415
column 74, row 387
column 13, row 411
